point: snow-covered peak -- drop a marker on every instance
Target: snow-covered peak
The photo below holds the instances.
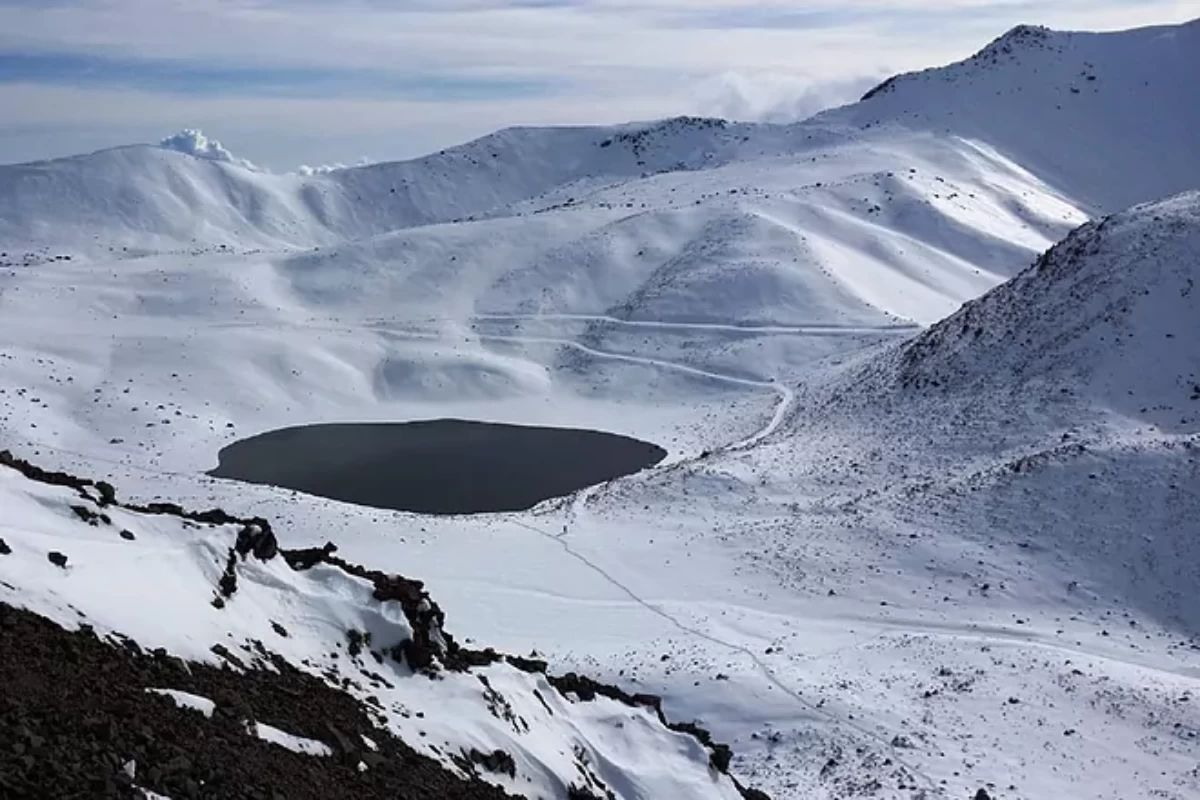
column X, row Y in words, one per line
column 1068, row 106
column 1016, row 39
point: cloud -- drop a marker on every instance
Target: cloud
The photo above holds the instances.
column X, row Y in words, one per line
column 195, row 143
column 318, row 81
column 776, row 96
column 204, row 77
column 325, row 169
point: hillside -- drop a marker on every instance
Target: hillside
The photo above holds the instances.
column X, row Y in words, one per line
column 144, row 197
column 1106, row 118
column 1062, row 105
column 1108, row 317
column 259, row 623
column 991, row 528
column 933, row 189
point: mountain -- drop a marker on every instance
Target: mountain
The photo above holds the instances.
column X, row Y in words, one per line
column 926, row 527
column 1106, row 317
column 1063, row 105
column 144, row 196
column 898, row 208
column 1106, row 118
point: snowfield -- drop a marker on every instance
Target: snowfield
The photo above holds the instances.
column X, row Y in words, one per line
column 926, row 366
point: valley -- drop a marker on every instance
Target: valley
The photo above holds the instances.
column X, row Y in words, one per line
column 923, row 371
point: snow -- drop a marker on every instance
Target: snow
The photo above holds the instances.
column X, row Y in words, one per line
column 1114, row 100
column 185, row 700
column 297, row 744
column 173, row 566
column 844, row 570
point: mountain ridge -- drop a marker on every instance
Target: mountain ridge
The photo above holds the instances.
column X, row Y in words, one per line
column 1054, row 115
column 1042, row 97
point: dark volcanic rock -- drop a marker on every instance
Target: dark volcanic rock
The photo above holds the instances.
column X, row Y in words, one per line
column 65, row 734
column 495, row 761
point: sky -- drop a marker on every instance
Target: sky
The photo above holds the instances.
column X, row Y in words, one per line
column 285, row 83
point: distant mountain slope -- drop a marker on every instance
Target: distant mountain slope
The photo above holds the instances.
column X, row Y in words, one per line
column 1106, row 119
column 1110, row 316
column 146, row 197
column 152, row 197
column 1109, row 118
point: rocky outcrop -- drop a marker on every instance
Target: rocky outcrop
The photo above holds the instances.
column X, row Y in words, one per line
column 181, row 753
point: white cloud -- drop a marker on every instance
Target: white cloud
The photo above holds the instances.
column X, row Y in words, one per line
column 325, row 169
column 195, row 143
column 775, row 96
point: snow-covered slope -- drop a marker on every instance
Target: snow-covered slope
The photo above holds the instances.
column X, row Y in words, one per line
column 933, row 189
column 1004, row 511
column 224, row 593
column 1108, row 118
column 1062, row 105
column 1108, row 317
column 146, row 197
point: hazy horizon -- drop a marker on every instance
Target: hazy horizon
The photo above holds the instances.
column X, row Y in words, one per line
column 312, row 82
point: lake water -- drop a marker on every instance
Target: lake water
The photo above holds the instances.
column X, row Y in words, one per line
column 435, row 467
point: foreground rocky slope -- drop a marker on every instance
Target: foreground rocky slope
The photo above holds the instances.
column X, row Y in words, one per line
column 297, row 673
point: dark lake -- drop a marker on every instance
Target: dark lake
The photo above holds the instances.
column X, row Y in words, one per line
column 444, row 466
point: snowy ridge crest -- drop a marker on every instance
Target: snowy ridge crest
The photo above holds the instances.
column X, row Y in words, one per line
column 1005, row 47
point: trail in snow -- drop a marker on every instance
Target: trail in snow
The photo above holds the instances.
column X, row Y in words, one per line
column 766, row 671
column 797, row 330
column 580, row 499
column 786, row 395
column 787, row 398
